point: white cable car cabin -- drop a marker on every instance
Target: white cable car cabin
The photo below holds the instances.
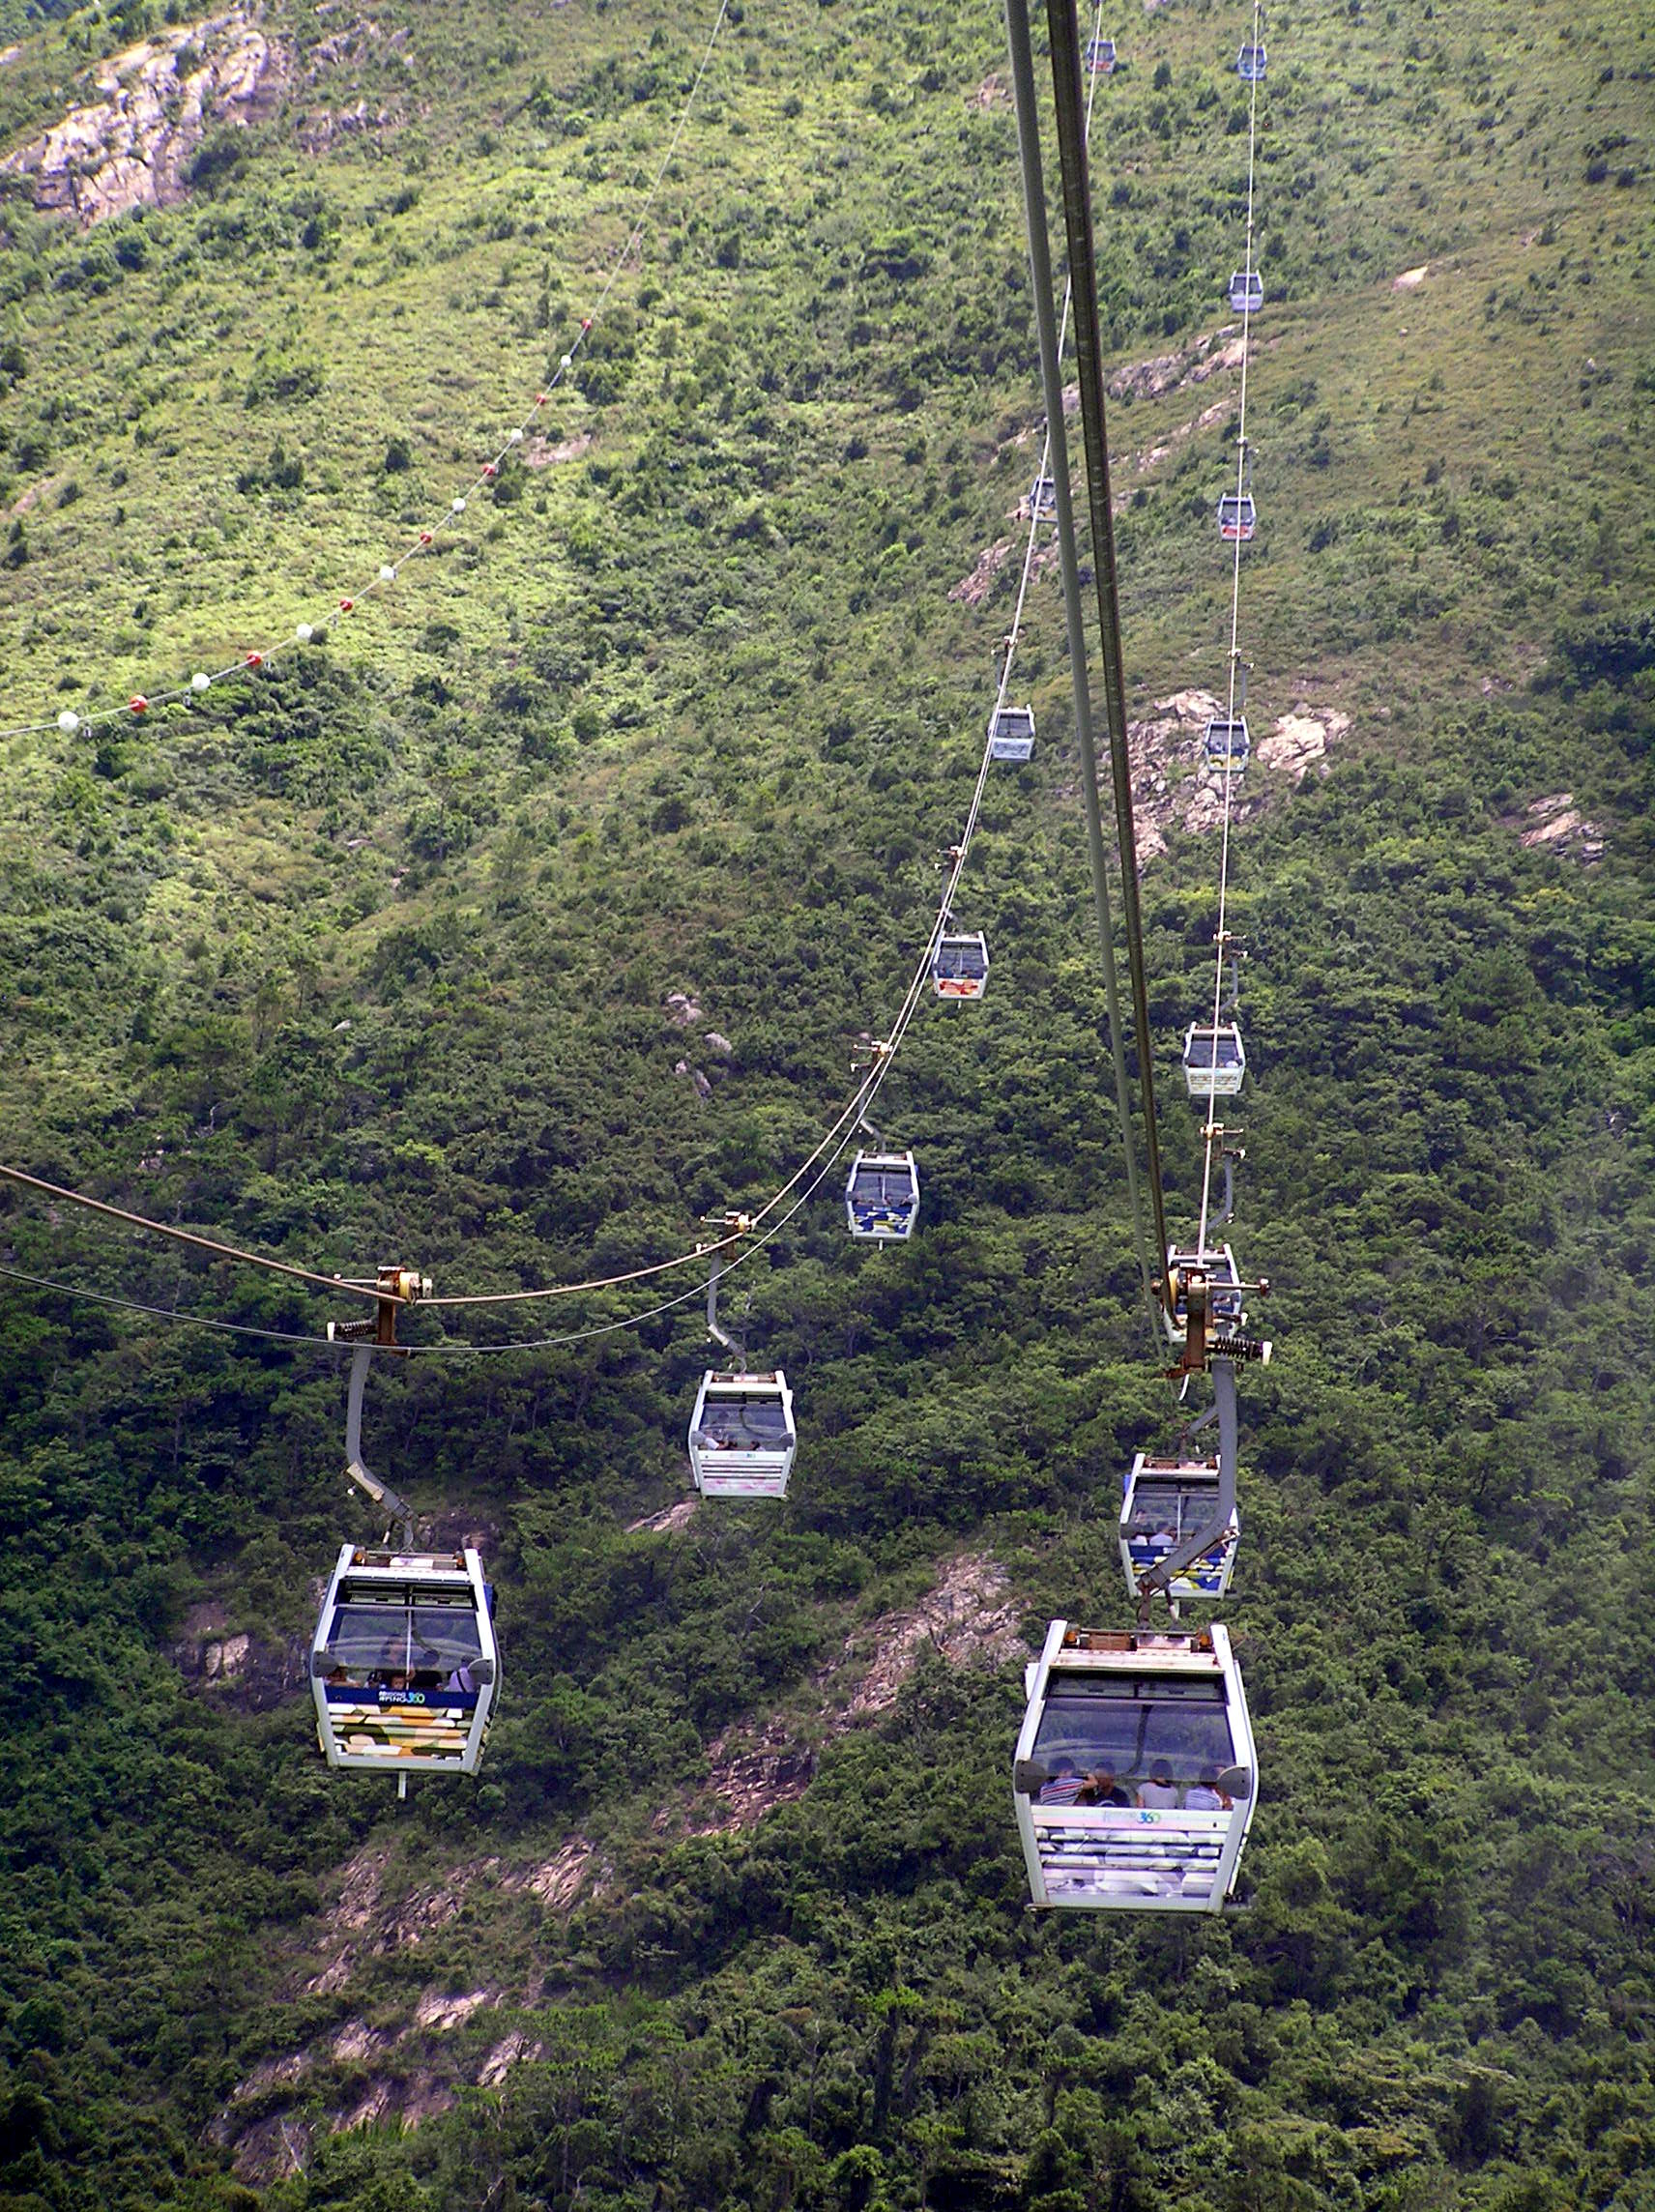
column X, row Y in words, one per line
column 959, row 966
column 882, row 1197
column 1246, row 291
column 742, row 1436
column 1215, row 1060
column 1250, row 64
column 404, row 1666
column 1237, row 518
column 1011, row 734
column 1167, row 1501
column 1100, row 56
column 1228, row 745
column 1135, row 1770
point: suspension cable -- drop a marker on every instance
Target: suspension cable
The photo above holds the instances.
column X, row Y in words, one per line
column 163, row 1313
column 219, row 1251
column 834, row 1143
column 1210, row 1136
column 1065, row 34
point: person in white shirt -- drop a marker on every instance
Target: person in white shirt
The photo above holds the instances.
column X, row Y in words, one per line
column 1207, row 1796
column 1160, row 1793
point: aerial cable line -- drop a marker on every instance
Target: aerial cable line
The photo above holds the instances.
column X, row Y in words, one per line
column 1054, row 444
column 837, row 1138
column 162, row 1313
column 211, row 1244
column 1212, row 1137
column 1064, row 32
column 1057, row 443
column 442, row 522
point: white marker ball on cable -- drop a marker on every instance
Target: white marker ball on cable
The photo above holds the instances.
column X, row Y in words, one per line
column 200, row 681
column 567, row 360
column 69, row 721
column 387, row 573
column 459, row 506
column 304, row 633
column 516, row 439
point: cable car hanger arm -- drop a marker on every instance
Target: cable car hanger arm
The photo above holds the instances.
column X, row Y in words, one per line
column 1157, row 1580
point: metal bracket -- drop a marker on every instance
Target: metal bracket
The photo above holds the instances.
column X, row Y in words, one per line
column 397, row 1287
column 736, row 1225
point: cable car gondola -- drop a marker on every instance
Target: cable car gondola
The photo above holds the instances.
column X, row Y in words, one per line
column 1246, row 291
column 1250, row 64
column 1215, row 1060
column 1228, row 744
column 404, row 1665
column 1011, row 734
column 1134, row 1775
column 959, row 966
column 1100, row 56
column 1237, row 518
column 1168, row 1500
column 1044, row 499
column 742, row 1434
column 882, row 1197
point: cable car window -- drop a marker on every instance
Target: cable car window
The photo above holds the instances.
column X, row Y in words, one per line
column 1162, row 1509
column 365, row 1638
column 1135, row 1728
column 445, row 1636
column 871, row 1188
column 734, row 1424
column 1205, row 1050
column 961, row 960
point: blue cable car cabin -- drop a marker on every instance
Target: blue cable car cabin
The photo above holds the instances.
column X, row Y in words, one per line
column 1215, row 1060
column 1011, row 734
column 1100, row 56
column 1134, row 1779
column 1250, row 64
column 1227, row 745
column 1237, row 518
column 882, row 1197
column 959, row 966
column 1246, row 291
column 1166, row 1502
column 742, row 1434
column 404, row 1666
column 1044, row 499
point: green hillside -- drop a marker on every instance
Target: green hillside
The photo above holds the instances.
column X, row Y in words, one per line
column 369, row 955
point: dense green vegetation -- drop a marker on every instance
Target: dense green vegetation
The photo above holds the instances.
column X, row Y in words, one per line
column 367, row 955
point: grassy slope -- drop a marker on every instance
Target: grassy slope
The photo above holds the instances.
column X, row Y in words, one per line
column 696, row 711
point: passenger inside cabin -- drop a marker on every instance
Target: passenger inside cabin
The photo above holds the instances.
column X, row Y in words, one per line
column 1064, row 1784
column 1160, row 1793
column 1205, row 1795
column 1100, row 1787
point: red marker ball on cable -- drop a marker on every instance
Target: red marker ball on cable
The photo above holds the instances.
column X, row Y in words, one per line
column 138, row 703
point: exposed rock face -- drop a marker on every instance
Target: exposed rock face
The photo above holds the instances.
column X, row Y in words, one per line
column 1220, row 350
column 1557, row 823
column 1175, row 787
column 1301, row 738
column 244, row 1670
column 130, row 147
